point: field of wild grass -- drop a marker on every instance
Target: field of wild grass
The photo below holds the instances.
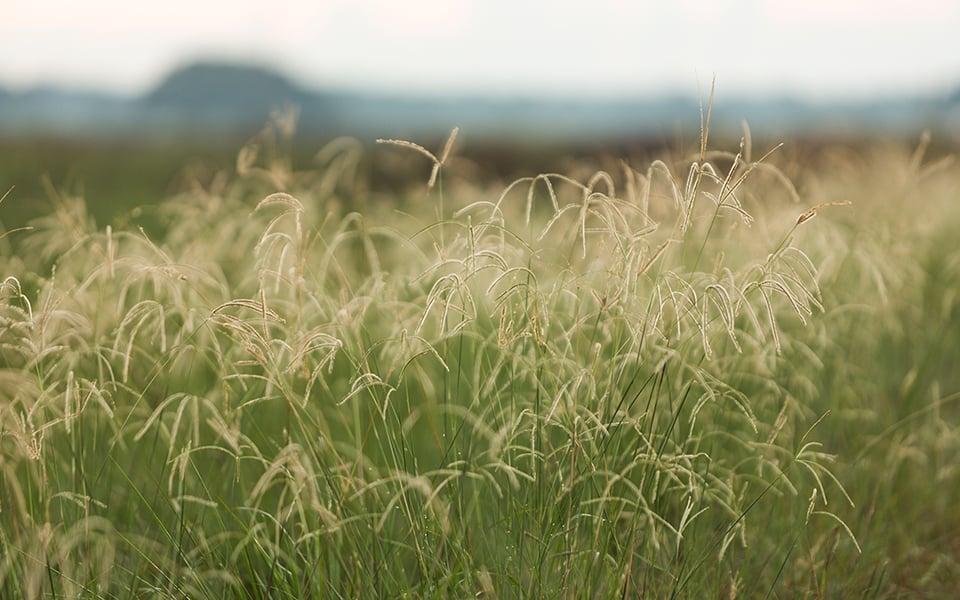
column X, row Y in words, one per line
column 728, row 374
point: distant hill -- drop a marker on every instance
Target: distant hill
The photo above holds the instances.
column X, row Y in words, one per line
column 207, row 98
column 240, row 88
column 954, row 98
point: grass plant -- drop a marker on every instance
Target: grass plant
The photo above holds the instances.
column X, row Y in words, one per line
column 665, row 381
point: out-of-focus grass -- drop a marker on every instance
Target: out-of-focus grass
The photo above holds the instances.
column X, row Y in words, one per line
column 114, row 176
column 891, row 270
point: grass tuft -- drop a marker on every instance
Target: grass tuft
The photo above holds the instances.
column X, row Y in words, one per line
column 640, row 383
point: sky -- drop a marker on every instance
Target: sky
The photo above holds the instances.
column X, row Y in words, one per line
column 813, row 49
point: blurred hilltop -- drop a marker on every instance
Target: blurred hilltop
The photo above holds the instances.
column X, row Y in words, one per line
column 233, row 101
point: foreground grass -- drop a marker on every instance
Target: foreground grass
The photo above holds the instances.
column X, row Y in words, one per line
column 669, row 380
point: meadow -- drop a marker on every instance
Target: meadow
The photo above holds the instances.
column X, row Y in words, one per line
column 725, row 372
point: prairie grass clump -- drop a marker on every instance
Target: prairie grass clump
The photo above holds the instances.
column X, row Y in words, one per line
column 607, row 387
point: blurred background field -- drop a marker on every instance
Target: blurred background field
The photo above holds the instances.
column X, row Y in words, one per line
column 121, row 118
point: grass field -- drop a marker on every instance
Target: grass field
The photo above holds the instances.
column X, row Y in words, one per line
column 723, row 373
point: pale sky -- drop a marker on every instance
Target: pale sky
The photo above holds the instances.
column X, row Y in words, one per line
column 810, row 48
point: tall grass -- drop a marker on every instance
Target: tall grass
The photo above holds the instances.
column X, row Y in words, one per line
column 610, row 387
